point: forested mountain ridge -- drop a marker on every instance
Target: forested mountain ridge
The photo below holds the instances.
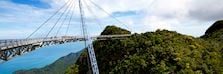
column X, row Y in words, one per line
column 58, row 67
column 218, row 25
column 113, row 30
column 215, row 32
column 161, row 51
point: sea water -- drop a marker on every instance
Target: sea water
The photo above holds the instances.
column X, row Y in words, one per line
column 39, row 57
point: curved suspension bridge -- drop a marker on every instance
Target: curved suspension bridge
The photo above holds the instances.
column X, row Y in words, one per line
column 10, row 48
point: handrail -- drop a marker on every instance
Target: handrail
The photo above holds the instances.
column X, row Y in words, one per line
column 19, row 42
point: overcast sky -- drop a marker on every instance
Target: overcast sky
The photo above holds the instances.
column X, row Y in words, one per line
column 19, row 18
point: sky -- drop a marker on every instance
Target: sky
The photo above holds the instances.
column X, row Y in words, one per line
column 20, row 18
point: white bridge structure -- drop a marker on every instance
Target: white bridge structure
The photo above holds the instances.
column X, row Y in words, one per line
column 14, row 47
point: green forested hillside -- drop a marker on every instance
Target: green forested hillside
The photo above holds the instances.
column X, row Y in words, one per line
column 58, row 67
column 215, row 32
column 156, row 52
column 113, row 30
column 218, row 25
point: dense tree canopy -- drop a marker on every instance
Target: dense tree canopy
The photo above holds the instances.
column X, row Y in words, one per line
column 215, row 27
column 113, row 30
column 157, row 52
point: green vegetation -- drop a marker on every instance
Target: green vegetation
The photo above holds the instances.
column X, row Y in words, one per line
column 72, row 70
column 215, row 27
column 215, row 32
column 81, row 64
column 113, row 30
column 58, row 67
column 156, row 52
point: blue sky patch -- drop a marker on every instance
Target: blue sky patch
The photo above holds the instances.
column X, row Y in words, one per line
column 34, row 3
column 3, row 10
column 127, row 13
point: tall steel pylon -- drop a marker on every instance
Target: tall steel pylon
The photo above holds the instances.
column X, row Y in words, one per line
column 90, row 48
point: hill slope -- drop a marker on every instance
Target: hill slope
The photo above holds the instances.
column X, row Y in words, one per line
column 58, row 67
column 218, row 25
column 155, row 52
column 215, row 32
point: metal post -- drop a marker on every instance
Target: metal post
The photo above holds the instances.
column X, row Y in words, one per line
column 91, row 56
column 93, row 60
column 84, row 31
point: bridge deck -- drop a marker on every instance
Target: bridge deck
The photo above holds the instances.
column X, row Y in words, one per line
column 7, row 44
column 13, row 47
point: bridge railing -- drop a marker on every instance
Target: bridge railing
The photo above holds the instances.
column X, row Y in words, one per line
column 4, row 44
column 19, row 42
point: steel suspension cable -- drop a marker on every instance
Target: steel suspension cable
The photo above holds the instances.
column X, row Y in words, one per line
column 62, row 24
column 92, row 13
column 68, row 25
column 83, row 25
column 57, row 21
column 48, row 19
column 99, row 7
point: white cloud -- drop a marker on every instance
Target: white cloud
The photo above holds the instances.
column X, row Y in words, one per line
column 184, row 16
column 154, row 22
column 206, row 10
column 170, row 8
